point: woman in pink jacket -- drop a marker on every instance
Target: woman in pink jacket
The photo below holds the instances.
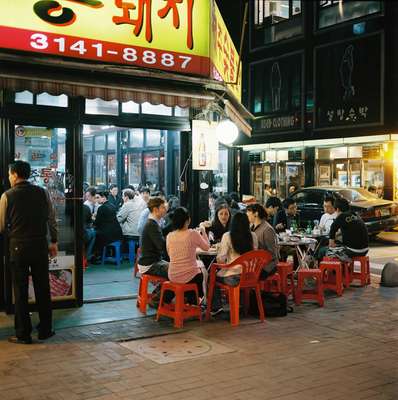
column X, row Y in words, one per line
column 181, row 246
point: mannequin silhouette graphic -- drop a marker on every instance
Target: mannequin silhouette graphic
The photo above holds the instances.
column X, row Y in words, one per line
column 346, row 69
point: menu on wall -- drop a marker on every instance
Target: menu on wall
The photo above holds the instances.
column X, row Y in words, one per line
column 348, row 82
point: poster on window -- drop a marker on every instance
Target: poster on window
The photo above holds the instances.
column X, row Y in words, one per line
column 61, row 277
column 349, row 89
column 204, row 145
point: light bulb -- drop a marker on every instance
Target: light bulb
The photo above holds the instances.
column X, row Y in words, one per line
column 227, row 132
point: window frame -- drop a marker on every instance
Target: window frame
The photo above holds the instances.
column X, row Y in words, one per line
column 317, row 30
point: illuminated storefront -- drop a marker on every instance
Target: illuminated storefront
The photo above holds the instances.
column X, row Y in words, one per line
column 101, row 92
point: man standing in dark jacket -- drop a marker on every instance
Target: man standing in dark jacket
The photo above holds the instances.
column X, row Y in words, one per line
column 26, row 228
column 153, row 244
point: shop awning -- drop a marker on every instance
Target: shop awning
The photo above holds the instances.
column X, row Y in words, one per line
column 139, row 93
column 39, row 75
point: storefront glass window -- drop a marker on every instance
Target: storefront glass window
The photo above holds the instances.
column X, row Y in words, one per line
column 373, row 173
column 45, row 99
column 276, row 20
column 99, row 142
column 333, row 12
column 24, row 97
column 44, row 148
column 160, row 109
column 151, row 169
column 340, row 173
column 88, row 143
column 130, row 107
column 102, row 107
column 136, row 138
column 220, row 177
column 111, row 141
column 99, row 170
column 88, row 163
column 152, row 138
column 134, row 169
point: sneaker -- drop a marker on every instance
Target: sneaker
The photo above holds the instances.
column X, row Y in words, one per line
column 216, row 311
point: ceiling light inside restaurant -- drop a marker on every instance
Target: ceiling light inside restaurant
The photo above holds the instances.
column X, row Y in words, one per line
column 227, row 132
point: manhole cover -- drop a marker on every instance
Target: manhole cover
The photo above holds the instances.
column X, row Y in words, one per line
column 172, row 348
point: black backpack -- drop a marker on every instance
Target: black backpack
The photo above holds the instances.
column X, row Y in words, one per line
column 275, row 304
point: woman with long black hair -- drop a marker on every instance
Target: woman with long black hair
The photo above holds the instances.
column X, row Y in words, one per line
column 239, row 240
column 220, row 223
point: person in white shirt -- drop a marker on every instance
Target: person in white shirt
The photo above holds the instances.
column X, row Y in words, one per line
column 330, row 215
column 325, row 223
column 90, row 202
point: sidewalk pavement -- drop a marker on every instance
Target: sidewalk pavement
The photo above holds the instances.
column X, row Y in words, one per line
column 346, row 350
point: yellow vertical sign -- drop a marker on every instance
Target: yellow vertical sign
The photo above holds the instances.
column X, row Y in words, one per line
column 224, row 56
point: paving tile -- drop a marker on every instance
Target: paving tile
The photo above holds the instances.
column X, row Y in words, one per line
column 347, row 350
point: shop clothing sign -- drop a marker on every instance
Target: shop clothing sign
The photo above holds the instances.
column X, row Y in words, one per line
column 348, row 87
column 204, row 145
column 277, row 93
column 173, row 35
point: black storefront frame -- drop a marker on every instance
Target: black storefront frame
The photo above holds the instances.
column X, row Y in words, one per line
column 73, row 146
column 71, row 118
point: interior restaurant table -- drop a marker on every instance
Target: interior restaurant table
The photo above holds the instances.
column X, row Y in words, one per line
column 302, row 244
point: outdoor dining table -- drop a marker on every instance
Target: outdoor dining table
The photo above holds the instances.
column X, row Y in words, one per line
column 302, row 245
column 212, row 252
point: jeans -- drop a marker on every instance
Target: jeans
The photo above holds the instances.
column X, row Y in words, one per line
column 159, row 268
column 89, row 239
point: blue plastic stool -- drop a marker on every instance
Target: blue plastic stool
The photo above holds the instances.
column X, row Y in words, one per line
column 131, row 254
column 118, row 258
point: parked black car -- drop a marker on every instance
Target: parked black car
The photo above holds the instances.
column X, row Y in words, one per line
column 378, row 214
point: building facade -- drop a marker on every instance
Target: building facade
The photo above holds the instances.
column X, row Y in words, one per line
column 93, row 108
column 321, row 81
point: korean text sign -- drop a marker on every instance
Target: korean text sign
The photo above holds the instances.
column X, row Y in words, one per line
column 171, row 35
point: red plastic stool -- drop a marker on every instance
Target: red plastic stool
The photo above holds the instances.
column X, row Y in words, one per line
column 364, row 274
column 272, row 284
column 143, row 295
column 179, row 310
column 84, row 263
column 332, row 276
column 309, row 294
column 285, row 271
column 347, row 270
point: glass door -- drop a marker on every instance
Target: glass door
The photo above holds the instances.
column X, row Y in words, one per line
column 49, row 152
column 340, row 173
